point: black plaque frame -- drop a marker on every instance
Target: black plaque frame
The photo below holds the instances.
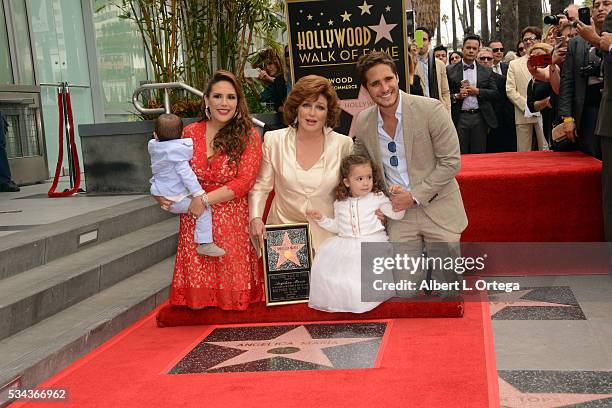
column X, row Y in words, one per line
column 290, row 283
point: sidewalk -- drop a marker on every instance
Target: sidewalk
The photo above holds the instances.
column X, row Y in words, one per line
column 31, row 206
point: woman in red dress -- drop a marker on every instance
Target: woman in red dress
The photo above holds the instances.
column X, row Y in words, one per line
column 226, row 158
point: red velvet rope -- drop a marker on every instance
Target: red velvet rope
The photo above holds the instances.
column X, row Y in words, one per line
column 60, row 156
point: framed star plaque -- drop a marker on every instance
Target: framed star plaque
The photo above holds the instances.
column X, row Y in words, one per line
column 287, row 257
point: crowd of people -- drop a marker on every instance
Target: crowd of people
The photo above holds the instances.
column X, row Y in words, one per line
column 506, row 101
column 402, row 161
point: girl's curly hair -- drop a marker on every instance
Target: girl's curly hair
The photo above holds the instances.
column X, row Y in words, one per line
column 342, row 191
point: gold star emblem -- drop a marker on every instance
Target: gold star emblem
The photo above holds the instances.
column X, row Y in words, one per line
column 330, row 22
column 388, row 8
column 365, row 8
column 309, row 17
column 287, row 251
column 346, row 16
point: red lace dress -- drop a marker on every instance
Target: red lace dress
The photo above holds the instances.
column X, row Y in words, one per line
column 232, row 281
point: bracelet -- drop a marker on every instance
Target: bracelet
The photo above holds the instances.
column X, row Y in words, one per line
column 204, row 198
column 568, row 119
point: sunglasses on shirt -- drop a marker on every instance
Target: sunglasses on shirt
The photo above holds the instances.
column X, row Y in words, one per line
column 393, row 148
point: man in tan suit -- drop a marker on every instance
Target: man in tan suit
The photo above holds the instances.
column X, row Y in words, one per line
column 438, row 88
column 412, row 142
column 517, row 81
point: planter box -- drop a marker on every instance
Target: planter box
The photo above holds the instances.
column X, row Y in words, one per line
column 115, row 156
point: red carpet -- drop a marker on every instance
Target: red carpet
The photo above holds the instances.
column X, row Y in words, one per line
column 423, row 362
column 531, row 197
column 300, row 312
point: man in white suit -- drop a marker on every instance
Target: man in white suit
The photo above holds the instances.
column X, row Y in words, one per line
column 516, row 88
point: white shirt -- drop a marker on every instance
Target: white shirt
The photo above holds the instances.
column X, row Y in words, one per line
column 394, row 174
column 424, row 63
column 356, row 217
column 471, row 102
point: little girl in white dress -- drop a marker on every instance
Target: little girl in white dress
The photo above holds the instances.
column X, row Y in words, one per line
column 335, row 276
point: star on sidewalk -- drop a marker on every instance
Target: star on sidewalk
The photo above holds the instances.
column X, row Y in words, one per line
column 296, row 344
column 346, row 16
column 287, row 251
column 365, row 8
column 383, row 30
column 500, row 301
column 511, row 397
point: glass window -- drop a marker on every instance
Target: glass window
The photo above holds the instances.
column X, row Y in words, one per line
column 6, row 72
column 121, row 60
column 22, row 37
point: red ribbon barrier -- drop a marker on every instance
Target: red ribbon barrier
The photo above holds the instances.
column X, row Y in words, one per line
column 66, row 109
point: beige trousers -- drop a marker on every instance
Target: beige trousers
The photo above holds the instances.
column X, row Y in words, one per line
column 524, row 134
column 416, row 234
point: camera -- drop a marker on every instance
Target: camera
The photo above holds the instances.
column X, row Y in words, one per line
column 553, row 19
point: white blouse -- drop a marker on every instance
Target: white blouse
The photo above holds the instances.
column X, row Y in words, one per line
column 356, row 217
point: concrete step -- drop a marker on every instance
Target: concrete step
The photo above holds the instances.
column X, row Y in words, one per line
column 42, row 350
column 34, row 295
column 45, row 243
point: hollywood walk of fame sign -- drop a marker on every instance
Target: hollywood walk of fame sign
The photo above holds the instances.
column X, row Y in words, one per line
column 327, row 37
column 287, row 260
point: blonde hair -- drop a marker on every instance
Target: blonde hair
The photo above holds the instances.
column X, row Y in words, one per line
column 542, row 46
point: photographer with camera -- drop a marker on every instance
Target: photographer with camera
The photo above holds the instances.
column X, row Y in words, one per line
column 582, row 81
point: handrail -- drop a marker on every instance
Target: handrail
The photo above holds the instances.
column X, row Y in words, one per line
column 166, row 86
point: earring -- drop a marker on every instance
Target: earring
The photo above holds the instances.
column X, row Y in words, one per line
column 207, row 112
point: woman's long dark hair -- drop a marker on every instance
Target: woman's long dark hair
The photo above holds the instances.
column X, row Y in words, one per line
column 233, row 137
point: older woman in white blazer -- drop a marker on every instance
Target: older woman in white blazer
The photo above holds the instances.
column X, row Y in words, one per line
column 301, row 162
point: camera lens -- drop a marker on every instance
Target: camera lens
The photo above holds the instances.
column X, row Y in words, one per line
column 551, row 20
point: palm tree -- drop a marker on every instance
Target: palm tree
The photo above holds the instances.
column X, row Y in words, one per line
column 493, row 8
column 454, row 22
column 509, row 34
column 484, row 21
column 523, row 13
column 557, row 6
column 427, row 13
column 445, row 21
column 535, row 13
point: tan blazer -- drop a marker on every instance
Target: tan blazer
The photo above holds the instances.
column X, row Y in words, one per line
column 443, row 89
column 278, row 171
column 432, row 153
column 517, row 80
